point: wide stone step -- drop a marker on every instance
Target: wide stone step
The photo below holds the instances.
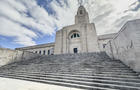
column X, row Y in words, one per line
column 122, row 78
column 125, row 79
column 104, row 72
column 83, row 75
column 85, row 66
column 94, row 59
column 95, row 68
column 104, row 63
column 97, row 84
column 110, row 69
column 107, row 70
column 100, row 73
column 80, row 72
column 117, row 82
column 97, row 74
column 107, row 66
column 66, row 84
column 118, row 73
column 95, row 64
column 89, row 72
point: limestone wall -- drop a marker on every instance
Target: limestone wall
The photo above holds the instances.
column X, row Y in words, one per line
column 58, row 43
column 91, row 37
column 104, row 39
column 126, row 45
column 8, row 56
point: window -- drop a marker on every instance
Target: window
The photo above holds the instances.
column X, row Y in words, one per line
column 75, row 35
column 44, row 52
column 81, row 11
column 104, row 45
column 48, row 52
column 39, row 52
column 78, row 35
column 71, row 36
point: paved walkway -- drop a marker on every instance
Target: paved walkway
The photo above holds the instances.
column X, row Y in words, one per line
column 14, row 84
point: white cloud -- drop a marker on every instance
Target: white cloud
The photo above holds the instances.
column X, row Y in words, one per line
column 15, row 12
column 108, row 16
column 24, row 36
column 65, row 14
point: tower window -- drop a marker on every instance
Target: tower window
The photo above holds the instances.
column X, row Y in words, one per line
column 81, row 11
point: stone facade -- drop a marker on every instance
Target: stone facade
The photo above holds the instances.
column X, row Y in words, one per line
column 126, row 45
column 78, row 38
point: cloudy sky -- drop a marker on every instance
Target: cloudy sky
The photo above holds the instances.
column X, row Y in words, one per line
column 31, row 22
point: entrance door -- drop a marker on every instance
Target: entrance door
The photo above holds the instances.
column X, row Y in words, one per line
column 75, row 50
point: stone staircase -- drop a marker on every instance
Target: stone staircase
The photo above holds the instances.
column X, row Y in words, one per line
column 91, row 71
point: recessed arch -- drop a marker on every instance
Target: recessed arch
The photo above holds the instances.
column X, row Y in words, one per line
column 74, row 41
column 74, row 34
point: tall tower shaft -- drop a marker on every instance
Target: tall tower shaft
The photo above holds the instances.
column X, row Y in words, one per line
column 82, row 15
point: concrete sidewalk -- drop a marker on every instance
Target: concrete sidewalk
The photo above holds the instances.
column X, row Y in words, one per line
column 14, row 84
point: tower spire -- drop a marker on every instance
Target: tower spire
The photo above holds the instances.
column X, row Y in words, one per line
column 80, row 2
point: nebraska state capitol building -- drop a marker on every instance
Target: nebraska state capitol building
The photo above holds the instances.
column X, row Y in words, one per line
column 78, row 38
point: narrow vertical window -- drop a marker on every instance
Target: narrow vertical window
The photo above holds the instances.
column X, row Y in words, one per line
column 71, row 36
column 44, row 52
column 48, row 52
column 74, row 35
column 39, row 52
column 78, row 35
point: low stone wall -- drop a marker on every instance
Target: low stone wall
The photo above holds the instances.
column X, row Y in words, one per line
column 126, row 45
column 8, row 56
